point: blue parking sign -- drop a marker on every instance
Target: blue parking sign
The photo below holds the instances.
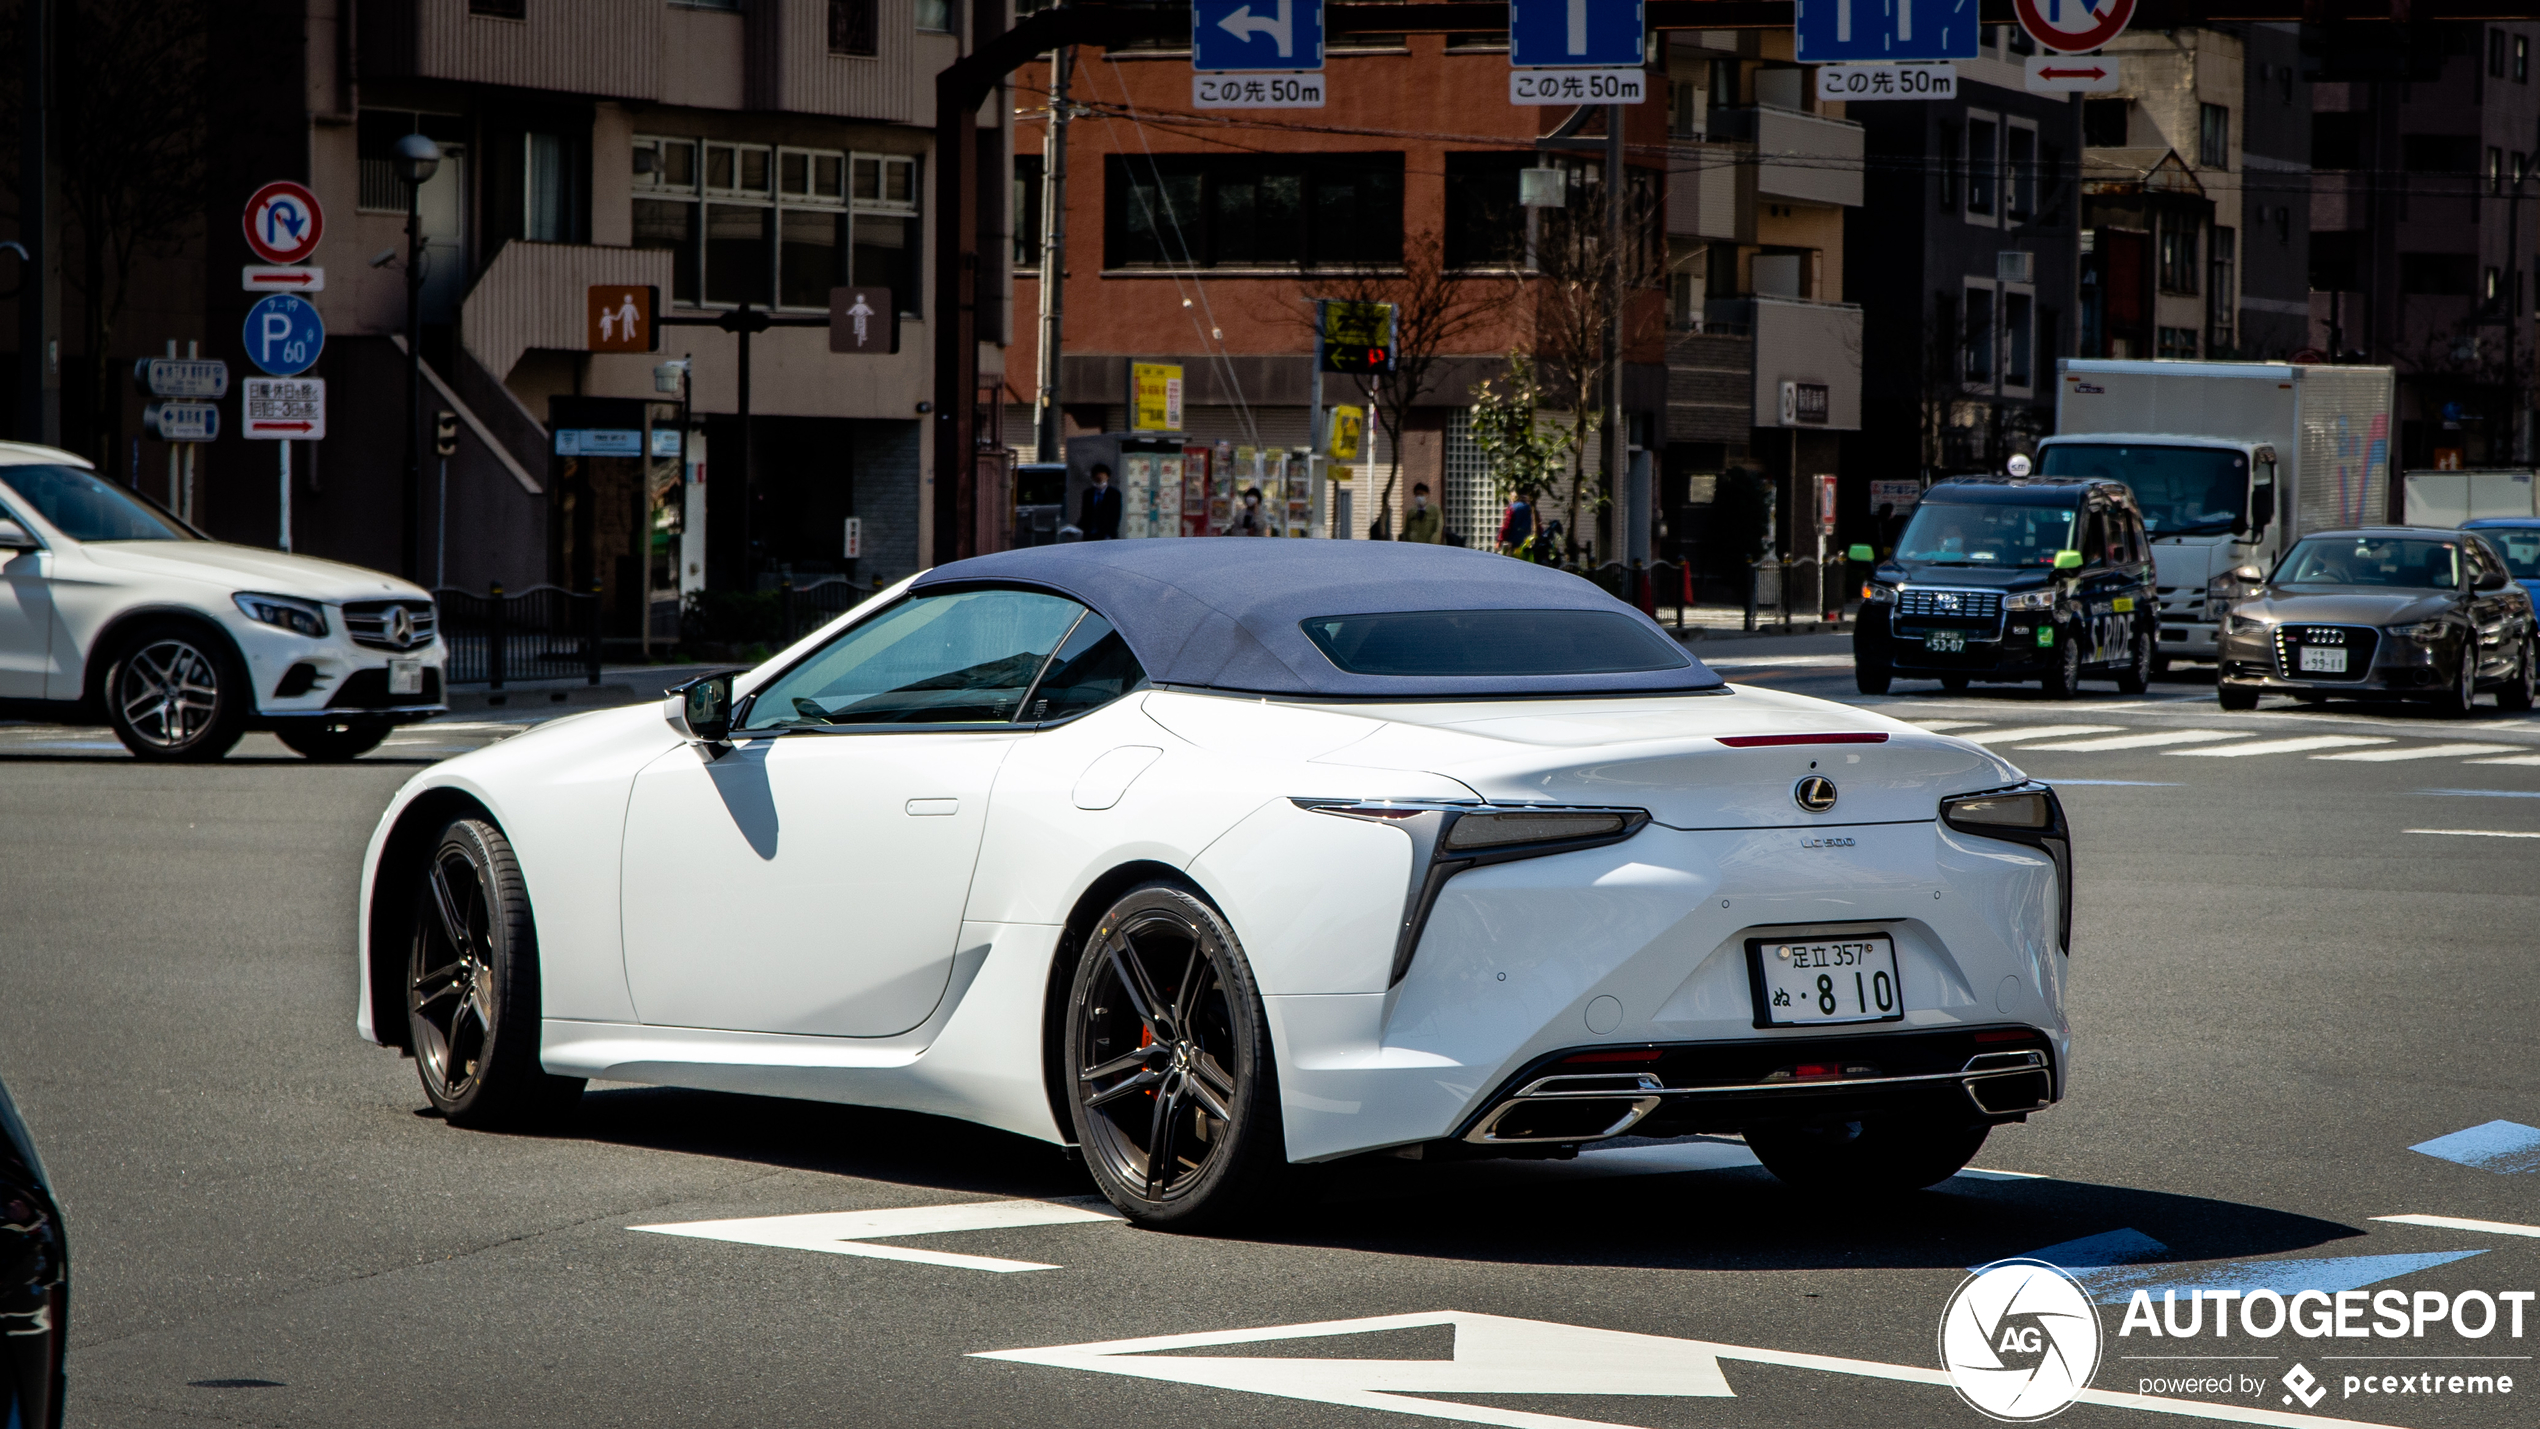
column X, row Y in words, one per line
column 283, row 335
column 1590, row 34
column 1885, row 30
column 1256, row 35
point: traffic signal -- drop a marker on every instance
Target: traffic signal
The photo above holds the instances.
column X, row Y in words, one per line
column 445, row 434
column 1357, row 337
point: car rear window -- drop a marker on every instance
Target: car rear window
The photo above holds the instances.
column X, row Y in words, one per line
column 1443, row 644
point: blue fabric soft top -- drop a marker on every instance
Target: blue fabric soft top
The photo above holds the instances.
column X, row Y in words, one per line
column 1227, row 614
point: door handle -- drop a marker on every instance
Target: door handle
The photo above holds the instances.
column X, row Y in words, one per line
column 933, row 808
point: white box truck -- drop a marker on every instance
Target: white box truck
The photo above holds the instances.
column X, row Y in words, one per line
column 2454, row 498
column 2231, row 461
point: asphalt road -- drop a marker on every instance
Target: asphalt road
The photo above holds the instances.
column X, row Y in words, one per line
column 2293, row 965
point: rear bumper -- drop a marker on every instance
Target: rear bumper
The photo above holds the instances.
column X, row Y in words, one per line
column 1983, row 1074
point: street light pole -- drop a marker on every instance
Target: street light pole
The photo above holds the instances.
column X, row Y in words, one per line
column 417, row 158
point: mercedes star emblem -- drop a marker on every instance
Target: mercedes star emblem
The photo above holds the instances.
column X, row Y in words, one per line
column 401, row 627
column 1814, row 793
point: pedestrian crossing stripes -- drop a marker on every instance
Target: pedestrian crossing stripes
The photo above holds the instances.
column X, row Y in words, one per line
column 2420, row 751
column 2299, row 745
column 2143, row 741
column 2043, row 731
column 2205, row 743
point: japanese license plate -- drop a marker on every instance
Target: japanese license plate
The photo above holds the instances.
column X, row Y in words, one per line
column 1801, row 982
column 1946, row 642
column 405, row 677
column 2323, row 661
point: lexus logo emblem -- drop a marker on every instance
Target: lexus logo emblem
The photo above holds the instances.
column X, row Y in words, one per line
column 401, row 633
column 1814, row 793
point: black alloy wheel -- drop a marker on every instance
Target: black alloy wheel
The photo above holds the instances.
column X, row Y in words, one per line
column 472, row 986
column 2461, row 698
column 176, row 694
column 2517, row 694
column 1890, row 1153
column 2135, row 677
column 332, row 741
column 2064, row 680
column 1171, row 1089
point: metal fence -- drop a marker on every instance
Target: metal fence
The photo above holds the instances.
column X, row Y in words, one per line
column 543, row 633
column 802, row 609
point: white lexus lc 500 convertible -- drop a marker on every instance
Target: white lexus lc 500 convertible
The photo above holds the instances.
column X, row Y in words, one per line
column 1214, row 858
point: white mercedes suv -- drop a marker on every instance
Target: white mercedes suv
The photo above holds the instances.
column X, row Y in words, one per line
column 110, row 605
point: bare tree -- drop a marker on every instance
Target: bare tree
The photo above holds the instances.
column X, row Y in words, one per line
column 1438, row 314
column 1575, row 266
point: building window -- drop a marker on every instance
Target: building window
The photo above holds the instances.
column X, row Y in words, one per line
column 1485, row 224
column 499, row 9
column 852, row 27
column 2496, row 54
column 2019, row 172
column 2337, row 140
column 1976, row 332
column 1027, row 210
column 752, row 223
column 2213, row 136
column 2221, row 299
column 553, row 210
column 2437, row 153
column 1981, row 139
column 2017, row 339
column 2178, row 255
column 2522, row 59
column 2495, row 170
column 935, row 15
column 2284, row 84
column 1684, row 296
column 1684, row 109
column 2283, row 225
column 2103, row 122
column 1252, row 211
column 2177, row 342
column 1948, row 168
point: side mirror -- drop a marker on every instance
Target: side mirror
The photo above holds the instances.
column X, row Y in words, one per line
column 705, row 708
column 2068, row 560
column 1862, row 553
column 13, row 537
column 2491, row 580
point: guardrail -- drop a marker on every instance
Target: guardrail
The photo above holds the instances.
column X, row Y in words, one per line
column 543, row 633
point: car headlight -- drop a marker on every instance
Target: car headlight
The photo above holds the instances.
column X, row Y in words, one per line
column 300, row 617
column 1875, row 593
column 2234, row 623
column 2030, row 600
column 1447, row 839
column 2026, row 814
column 2422, row 630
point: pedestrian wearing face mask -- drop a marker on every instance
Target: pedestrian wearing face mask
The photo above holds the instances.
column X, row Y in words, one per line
column 1423, row 523
column 1249, row 520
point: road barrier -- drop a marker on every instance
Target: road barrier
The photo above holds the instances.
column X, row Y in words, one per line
column 543, row 633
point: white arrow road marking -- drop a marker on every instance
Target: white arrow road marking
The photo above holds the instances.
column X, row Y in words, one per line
column 850, row 1232
column 2456, row 1223
column 2421, row 751
column 2474, row 833
column 1495, row 1354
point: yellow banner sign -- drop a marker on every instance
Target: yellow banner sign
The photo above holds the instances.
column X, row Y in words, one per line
column 1349, row 434
column 1155, row 397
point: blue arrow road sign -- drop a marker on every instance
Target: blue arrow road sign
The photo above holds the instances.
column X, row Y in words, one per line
column 284, row 335
column 1591, row 34
column 1256, row 35
column 1877, row 30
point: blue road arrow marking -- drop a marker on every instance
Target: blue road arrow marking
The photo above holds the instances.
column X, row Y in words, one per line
column 2506, row 1146
column 2112, row 1266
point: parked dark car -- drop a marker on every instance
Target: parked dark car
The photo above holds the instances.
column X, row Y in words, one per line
column 34, row 1283
column 2012, row 579
column 2412, row 612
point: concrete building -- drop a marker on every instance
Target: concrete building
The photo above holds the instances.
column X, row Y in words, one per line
column 718, row 152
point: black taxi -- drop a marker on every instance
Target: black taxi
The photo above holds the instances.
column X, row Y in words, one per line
column 2009, row 579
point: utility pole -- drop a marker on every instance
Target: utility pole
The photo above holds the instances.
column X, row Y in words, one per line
column 1614, row 463
column 1047, row 440
column 39, row 292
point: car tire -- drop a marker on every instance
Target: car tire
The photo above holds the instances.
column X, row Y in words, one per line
column 2064, row 680
column 2519, row 693
column 2235, row 697
column 2462, row 698
column 2160, row 665
column 332, row 741
column 1167, row 1053
column 1953, row 683
column 176, row 693
column 2136, row 676
column 1872, row 679
column 472, row 1003
column 1878, row 1154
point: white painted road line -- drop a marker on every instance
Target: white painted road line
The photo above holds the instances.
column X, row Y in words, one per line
column 2420, row 751
column 2041, row 731
column 1763, row 662
column 1937, row 725
column 2457, row 1223
column 2527, row 761
column 2145, row 741
column 2300, row 745
column 2474, row 833
column 848, row 1232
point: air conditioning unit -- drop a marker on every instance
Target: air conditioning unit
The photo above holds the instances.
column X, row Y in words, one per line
column 2015, row 265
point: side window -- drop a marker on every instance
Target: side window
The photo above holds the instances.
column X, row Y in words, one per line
column 967, row 657
column 1093, row 668
column 2094, row 539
